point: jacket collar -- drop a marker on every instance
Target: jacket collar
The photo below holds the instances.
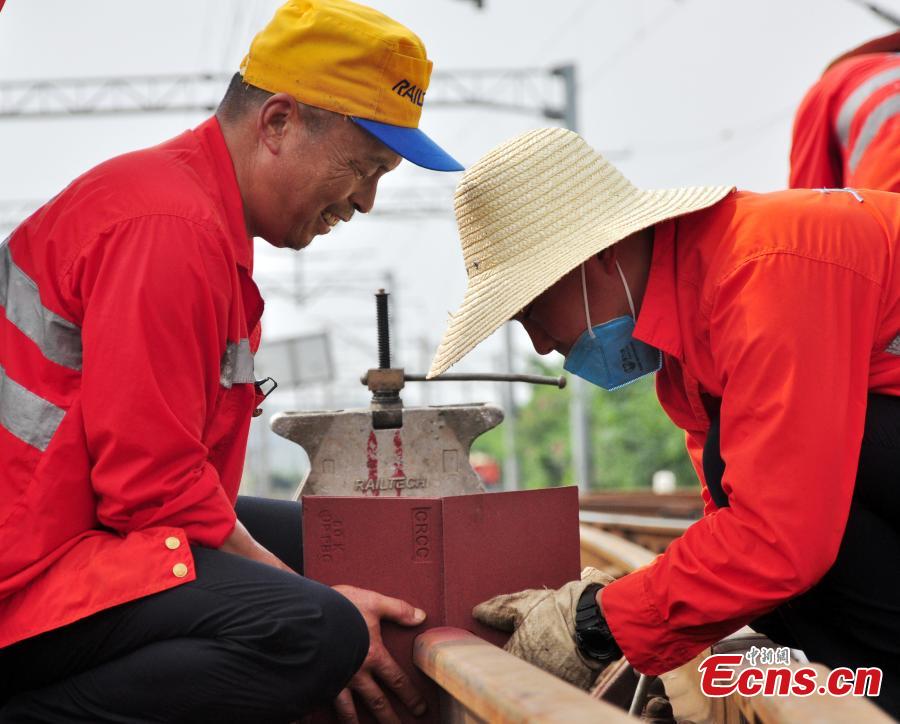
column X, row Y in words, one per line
column 213, row 141
column 657, row 322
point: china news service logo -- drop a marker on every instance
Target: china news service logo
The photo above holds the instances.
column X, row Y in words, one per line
column 768, row 673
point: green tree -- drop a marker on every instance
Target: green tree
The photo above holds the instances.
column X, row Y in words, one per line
column 630, row 434
column 633, row 438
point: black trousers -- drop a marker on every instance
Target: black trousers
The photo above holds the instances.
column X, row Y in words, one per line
column 244, row 642
column 852, row 616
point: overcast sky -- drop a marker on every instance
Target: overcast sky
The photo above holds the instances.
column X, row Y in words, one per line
column 684, row 92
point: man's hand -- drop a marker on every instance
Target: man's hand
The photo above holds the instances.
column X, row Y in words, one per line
column 379, row 663
column 241, row 543
column 543, row 626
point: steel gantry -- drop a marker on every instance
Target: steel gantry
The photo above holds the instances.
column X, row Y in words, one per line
column 533, row 91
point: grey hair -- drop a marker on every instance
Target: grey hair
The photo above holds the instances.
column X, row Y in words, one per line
column 242, row 98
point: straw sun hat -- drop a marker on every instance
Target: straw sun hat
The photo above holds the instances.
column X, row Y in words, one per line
column 533, row 209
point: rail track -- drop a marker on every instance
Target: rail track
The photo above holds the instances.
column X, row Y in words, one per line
column 482, row 683
column 647, row 519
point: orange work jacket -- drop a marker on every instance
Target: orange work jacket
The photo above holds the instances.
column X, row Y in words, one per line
column 126, row 382
column 786, row 307
column 847, row 129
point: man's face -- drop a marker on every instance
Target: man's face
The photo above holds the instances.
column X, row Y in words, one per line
column 556, row 319
column 316, row 178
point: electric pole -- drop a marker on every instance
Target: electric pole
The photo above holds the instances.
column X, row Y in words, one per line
column 579, row 405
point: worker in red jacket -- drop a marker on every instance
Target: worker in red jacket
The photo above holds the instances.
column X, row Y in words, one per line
column 847, row 129
column 129, row 588
column 772, row 323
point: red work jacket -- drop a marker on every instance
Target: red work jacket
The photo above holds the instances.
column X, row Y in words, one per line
column 786, row 307
column 847, row 129
column 126, row 382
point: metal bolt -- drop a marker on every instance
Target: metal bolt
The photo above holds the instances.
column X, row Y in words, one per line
column 384, row 335
column 387, row 407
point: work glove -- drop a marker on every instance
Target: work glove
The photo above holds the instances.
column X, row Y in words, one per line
column 543, row 626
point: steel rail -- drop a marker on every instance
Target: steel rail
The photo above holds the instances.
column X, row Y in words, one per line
column 484, row 683
column 598, row 546
column 676, row 526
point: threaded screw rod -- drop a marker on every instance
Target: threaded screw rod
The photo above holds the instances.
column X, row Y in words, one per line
column 384, row 335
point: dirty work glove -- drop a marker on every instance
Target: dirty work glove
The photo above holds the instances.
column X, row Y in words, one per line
column 543, row 626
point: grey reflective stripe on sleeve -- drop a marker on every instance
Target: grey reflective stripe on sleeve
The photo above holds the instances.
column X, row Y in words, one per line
column 857, row 98
column 894, row 346
column 26, row 415
column 237, row 364
column 58, row 339
column 881, row 114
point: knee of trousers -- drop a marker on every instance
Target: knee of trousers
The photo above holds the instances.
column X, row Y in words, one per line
column 343, row 640
column 322, row 643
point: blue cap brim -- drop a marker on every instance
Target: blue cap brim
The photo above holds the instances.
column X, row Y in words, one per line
column 412, row 144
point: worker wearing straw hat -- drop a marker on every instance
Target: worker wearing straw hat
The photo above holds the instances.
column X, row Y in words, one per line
column 772, row 322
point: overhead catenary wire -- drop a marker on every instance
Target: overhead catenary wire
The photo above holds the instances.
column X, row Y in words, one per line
column 561, row 32
column 553, row 38
column 634, row 41
column 879, row 11
column 725, row 136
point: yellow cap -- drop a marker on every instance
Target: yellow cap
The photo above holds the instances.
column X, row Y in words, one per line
column 350, row 59
column 343, row 57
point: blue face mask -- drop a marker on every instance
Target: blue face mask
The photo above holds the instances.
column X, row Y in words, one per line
column 608, row 355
